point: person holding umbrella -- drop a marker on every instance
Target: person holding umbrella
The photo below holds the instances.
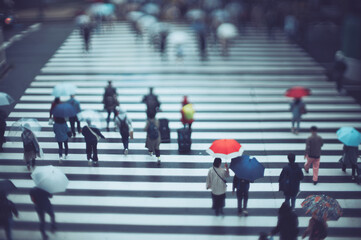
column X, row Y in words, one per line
column 40, row 198
column 242, row 186
column 289, row 180
column 62, row 133
column 91, row 135
column 297, row 107
column 7, row 210
column 53, row 105
column 216, row 181
column 351, row 139
column 316, row 229
column 31, row 146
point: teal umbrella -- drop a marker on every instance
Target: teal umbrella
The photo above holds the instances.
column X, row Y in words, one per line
column 349, row 136
column 247, row 168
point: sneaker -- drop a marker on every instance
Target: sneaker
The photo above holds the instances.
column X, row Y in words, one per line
column 151, row 153
column 126, row 151
column 245, row 213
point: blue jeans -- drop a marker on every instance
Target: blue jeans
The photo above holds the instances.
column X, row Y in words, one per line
column 297, row 121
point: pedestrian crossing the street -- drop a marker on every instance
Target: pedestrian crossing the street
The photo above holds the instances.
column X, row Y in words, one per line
column 240, row 96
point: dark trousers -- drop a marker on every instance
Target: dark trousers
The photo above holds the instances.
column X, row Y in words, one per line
column 72, row 121
column 41, row 213
column 218, row 202
column 293, row 200
column 242, row 195
column 125, row 140
column 60, row 144
column 108, row 118
column 91, row 148
column 353, row 167
column 7, row 227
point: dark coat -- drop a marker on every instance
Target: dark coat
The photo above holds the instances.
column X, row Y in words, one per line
column 287, row 226
column 295, row 175
column 350, row 155
column 40, row 198
column 7, row 209
column 240, row 184
column 89, row 136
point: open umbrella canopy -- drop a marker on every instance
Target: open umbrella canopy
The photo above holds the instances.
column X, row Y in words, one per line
column 24, row 123
column 225, row 148
column 227, row 31
column 195, row 14
column 324, row 207
column 50, row 179
column 64, row 110
column 64, row 89
column 5, row 99
column 178, row 37
column 146, row 21
column 133, row 16
column 247, row 168
column 349, row 136
column 7, row 186
column 95, row 118
column 297, row 92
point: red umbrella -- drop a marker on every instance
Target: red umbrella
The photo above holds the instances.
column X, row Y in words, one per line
column 225, row 148
column 297, row 92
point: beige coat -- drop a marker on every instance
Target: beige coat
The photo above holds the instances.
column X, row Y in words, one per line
column 150, row 143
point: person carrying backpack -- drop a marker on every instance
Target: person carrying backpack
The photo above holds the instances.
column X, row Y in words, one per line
column 153, row 138
column 124, row 125
column 31, row 146
column 289, row 180
column 7, row 210
column 317, row 229
column 152, row 104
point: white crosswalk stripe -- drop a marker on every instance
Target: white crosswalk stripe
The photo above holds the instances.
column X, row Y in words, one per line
column 239, row 97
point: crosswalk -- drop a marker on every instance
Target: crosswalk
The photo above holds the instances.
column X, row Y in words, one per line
column 239, row 96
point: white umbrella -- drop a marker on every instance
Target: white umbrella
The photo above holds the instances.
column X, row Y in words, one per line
column 134, row 16
column 18, row 127
column 50, row 179
column 146, row 21
column 5, row 99
column 195, row 14
column 94, row 117
column 227, row 30
column 178, row 37
column 64, row 89
column 82, row 20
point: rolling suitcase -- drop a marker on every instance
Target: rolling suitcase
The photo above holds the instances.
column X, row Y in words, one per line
column 164, row 130
column 184, row 140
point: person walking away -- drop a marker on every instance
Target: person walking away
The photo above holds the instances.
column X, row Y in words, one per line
column 289, row 180
column 313, row 153
column 317, row 229
column 187, row 119
column 75, row 103
column 2, row 129
column 31, row 146
column 124, row 124
column 40, row 198
column 152, row 103
column 216, row 181
column 110, row 101
column 91, row 135
column 7, row 210
column 338, row 71
column 242, row 186
column 53, row 105
column 62, row 134
column 153, row 138
column 287, row 223
column 85, row 32
column 297, row 108
column 349, row 159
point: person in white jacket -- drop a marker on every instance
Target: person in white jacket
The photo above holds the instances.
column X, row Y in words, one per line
column 216, row 181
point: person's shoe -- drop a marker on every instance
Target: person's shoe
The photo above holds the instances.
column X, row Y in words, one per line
column 65, row 157
column 151, row 153
column 108, row 129
column 89, row 162
column 245, row 213
column 53, row 228
column 315, row 182
column 95, row 164
column 353, row 178
column 126, row 151
column 344, row 170
column 158, row 161
column 296, row 132
column 306, row 171
column 61, row 160
column 292, row 130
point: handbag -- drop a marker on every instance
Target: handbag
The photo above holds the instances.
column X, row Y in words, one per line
column 96, row 135
column 219, row 176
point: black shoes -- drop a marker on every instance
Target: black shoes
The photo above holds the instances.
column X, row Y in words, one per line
column 315, row 182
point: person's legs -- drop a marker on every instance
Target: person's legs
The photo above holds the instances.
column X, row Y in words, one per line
column 72, row 124
column 33, row 162
column 287, row 199
column 66, row 148
column 316, row 166
column 239, row 201
column 157, row 152
column 344, row 167
column 298, row 121
column 307, row 164
column 353, row 167
column 293, row 201
column 78, row 124
column 88, row 151
column 41, row 215
column 108, row 118
column 60, row 144
column 50, row 211
column 245, row 195
column 95, row 153
column 7, row 228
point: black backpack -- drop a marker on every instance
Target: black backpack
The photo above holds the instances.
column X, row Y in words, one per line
column 152, row 131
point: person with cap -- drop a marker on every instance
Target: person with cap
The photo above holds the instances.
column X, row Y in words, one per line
column 124, row 125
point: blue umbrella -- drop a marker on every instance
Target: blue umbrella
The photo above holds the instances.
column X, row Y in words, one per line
column 349, row 136
column 64, row 110
column 247, row 168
